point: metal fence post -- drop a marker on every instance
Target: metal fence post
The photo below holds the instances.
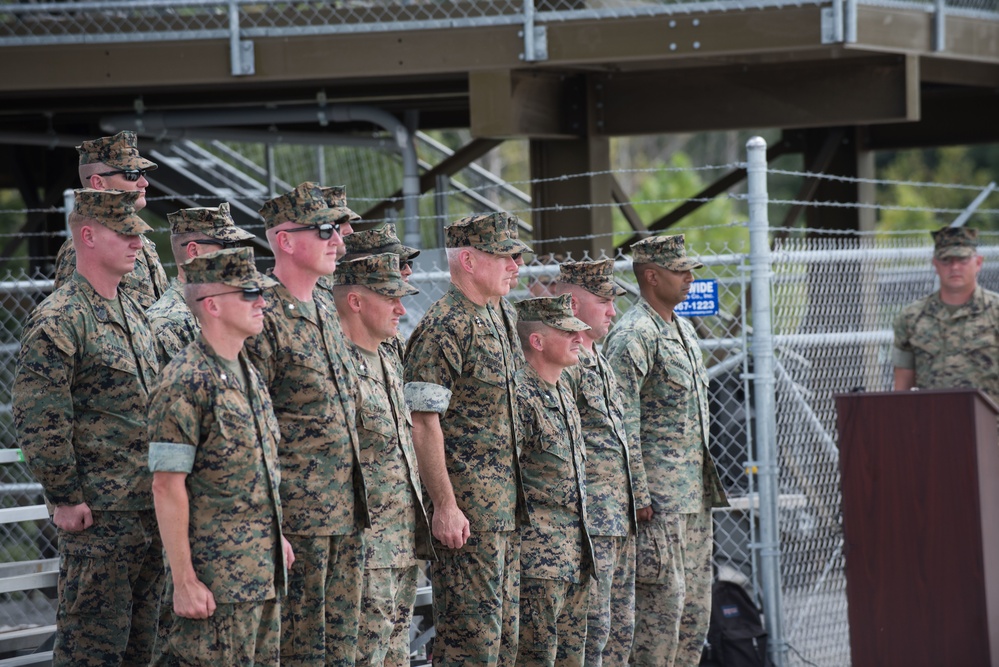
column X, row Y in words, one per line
column 764, row 399
column 68, row 202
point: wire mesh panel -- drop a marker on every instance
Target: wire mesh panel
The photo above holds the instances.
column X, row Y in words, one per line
column 834, row 303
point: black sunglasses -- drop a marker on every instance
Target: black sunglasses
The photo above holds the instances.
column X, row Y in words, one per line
column 249, row 294
column 131, row 175
column 324, row 230
column 226, row 245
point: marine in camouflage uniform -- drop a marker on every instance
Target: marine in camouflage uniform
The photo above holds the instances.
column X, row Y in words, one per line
column 610, row 503
column 368, row 296
column 335, row 197
column 213, row 453
column 459, row 386
column 193, row 231
column 302, row 356
column 99, row 160
column 664, row 385
column 951, row 337
column 556, row 556
column 378, row 240
column 85, row 367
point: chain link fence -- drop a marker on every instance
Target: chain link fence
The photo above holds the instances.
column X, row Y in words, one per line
column 833, row 299
column 110, row 21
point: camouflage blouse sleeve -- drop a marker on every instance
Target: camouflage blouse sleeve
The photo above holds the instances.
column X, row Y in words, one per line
column 43, row 413
column 631, row 362
column 174, row 418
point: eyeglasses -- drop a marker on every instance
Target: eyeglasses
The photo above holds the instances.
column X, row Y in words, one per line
column 249, row 294
column 131, row 175
column 408, row 263
column 324, row 230
column 515, row 256
column 226, row 245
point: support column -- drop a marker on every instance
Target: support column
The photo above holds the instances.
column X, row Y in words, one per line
column 846, row 159
column 577, row 206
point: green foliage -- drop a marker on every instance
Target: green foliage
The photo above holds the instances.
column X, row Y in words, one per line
column 659, row 192
column 955, row 165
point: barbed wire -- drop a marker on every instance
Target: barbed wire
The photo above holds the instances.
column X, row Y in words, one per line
column 873, row 181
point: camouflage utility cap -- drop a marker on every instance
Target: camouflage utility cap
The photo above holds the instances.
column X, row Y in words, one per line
column 336, row 197
column 120, row 151
column 555, row 311
column 115, row 209
column 232, row 266
column 376, row 241
column 955, row 242
column 488, row 232
column 666, row 251
column 305, row 205
column 214, row 222
column 379, row 273
column 596, row 277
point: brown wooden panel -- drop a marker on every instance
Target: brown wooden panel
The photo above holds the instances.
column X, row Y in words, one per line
column 818, row 94
column 912, row 523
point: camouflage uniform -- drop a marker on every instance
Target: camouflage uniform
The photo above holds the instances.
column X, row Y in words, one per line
column 610, row 510
column 396, row 507
column 950, row 346
column 610, row 503
column 148, row 281
column 664, row 386
column 173, row 324
column 459, row 364
column 556, row 557
column 302, row 357
column 223, row 435
column 85, row 367
column 398, row 520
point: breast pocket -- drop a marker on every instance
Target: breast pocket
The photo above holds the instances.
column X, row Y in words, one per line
column 488, row 360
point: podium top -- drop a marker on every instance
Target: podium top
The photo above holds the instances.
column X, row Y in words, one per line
column 985, row 398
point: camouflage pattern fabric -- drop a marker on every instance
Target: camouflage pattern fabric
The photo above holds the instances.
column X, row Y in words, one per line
column 552, row 623
column 950, row 348
column 507, row 314
column 672, row 589
column 118, row 152
column 303, row 359
column 82, row 380
column 459, row 363
column 556, row 558
column 385, row 432
column 302, row 356
column 610, row 509
column 203, row 422
column 387, row 600
column 610, row 620
column 110, row 582
column 459, row 357
column 477, row 601
column 669, row 252
column 610, row 505
column 240, row 633
column 664, row 386
column 555, row 544
column 146, row 283
column 955, row 242
column 174, row 325
column 664, row 390
column 320, row 615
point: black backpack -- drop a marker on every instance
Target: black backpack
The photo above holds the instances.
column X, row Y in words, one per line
column 736, row 637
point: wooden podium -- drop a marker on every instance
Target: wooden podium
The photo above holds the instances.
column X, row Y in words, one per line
column 920, row 479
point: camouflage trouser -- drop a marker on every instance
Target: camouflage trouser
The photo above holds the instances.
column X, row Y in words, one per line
column 239, row 633
column 610, row 622
column 552, row 623
column 110, row 584
column 477, row 600
column 386, row 614
column 672, row 589
column 319, row 616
